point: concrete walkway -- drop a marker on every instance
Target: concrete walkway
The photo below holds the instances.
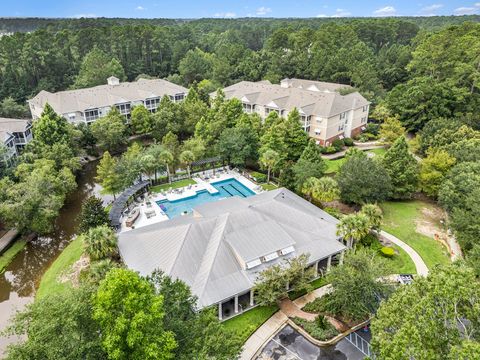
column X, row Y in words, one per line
column 265, row 332
column 420, row 265
column 8, row 238
column 341, row 154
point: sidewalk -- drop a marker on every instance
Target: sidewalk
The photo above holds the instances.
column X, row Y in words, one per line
column 341, row 154
column 420, row 265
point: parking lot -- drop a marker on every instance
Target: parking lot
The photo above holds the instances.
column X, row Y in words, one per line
column 288, row 344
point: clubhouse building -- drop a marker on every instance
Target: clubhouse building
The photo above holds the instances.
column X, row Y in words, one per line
column 220, row 248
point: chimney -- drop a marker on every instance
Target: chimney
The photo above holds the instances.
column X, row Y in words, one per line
column 112, row 80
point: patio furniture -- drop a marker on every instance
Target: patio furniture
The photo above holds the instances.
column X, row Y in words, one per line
column 132, row 217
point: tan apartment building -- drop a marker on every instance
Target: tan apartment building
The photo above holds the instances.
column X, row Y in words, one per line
column 326, row 115
column 14, row 135
column 87, row 105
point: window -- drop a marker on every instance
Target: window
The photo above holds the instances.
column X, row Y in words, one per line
column 123, row 108
column 247, row 107
column 269, row 110
column 341, row 127
column 71, row 116
column 363, row 120
column 318, row 131
column 91, row 115
column 343, row 116
column 365, row 108
column 152, row 104
column 179, row 97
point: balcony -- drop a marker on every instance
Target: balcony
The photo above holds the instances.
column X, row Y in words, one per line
column 23, row 139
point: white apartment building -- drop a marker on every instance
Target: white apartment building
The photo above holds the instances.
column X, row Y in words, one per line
column 14, row 135
column 326, row 115
column 87, row 105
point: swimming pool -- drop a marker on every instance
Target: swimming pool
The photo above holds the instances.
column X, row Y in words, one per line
column 226, row 188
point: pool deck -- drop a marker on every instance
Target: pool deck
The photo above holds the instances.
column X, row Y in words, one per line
column 151, row 213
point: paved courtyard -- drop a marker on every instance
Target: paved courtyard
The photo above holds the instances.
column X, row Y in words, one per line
column 290, row 345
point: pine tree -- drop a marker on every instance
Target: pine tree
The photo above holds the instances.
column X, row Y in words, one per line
column 93, row 214
column 295, row 137
column 402, row 168
column 310, row 164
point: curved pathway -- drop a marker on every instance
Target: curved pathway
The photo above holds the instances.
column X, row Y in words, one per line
column 420, row 265
column 269, row 328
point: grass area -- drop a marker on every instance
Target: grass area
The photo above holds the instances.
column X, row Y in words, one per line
column 399, row 220
column 246, row 324
column 49, row 283
column 174, row 185
column 7, row 257
column 334, row 165
column 401, row 263
column 268, row 187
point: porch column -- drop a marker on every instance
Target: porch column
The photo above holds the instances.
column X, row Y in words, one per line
column 236, row 304
column 316, row 268
column 329, row 263
column 342, row 254
column 252, row 301
column 220, row 312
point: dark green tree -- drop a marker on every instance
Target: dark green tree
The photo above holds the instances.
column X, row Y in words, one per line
column 310, row 164
column 93, row 214
column 362, row 180
column 402, row 169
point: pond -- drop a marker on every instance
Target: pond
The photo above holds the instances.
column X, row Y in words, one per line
column 21, row 278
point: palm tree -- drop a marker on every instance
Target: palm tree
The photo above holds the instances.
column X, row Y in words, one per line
column 374, row 215
column 268, row 160
column 155, row 150
column 326, row 190
column 309, row 187
column 353, row 228
column 166, row 158
column 100, row 243
column 187, row 157
column 149, row 165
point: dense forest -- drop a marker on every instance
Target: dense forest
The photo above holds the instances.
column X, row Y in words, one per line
column 370, row 54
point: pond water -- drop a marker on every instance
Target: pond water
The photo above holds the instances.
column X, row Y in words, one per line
column 21, row 278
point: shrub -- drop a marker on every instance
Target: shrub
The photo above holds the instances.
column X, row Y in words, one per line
column 373, row 129
column 387, row 251
column 366, row 137
column 369, row 241
column 338, row 144
column 316, row 306
column 258, row 177
column 333, row 211
column 330, row 150
column 348, row 141
column 320, row 328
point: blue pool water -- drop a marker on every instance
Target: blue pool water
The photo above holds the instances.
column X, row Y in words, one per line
column 226, row 188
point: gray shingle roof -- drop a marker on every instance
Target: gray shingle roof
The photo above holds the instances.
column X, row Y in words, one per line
column 70, row 101
column 203, row 248
column 9, row 126
column 321, row 103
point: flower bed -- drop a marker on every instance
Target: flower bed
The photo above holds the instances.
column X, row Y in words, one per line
column 319, row 329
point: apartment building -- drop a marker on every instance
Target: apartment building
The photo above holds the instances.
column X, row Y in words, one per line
column 87, row 105
column 325, row 113
column 14, row 134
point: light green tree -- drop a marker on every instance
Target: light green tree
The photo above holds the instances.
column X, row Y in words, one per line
column 353, row 228
column 326, row 190
column 433, row 169
column 96, row 68
column 374, row 215
column 391, row 129
column 110, row 131
column 100, row 243
column 130, row 315
column 186, row 158
column 433, row 318
column 269, row 159
column 108, row 176
column 141, row 120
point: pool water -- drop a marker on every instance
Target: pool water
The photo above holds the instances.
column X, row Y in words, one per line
column 226, row 188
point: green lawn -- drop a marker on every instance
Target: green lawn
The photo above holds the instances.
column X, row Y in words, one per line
column 334, row 165
column 246, row 323
column 401, row 263
column 174, row 185
column 399, row 220
column 49, row 283
column 268, row 187
column 7, row 257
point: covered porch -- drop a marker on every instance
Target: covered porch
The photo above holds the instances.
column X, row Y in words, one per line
column 236, row 305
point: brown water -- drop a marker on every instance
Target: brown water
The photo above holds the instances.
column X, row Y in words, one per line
column 21, row 278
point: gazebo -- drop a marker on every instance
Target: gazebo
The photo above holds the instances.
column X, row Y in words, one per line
column 204, row 162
